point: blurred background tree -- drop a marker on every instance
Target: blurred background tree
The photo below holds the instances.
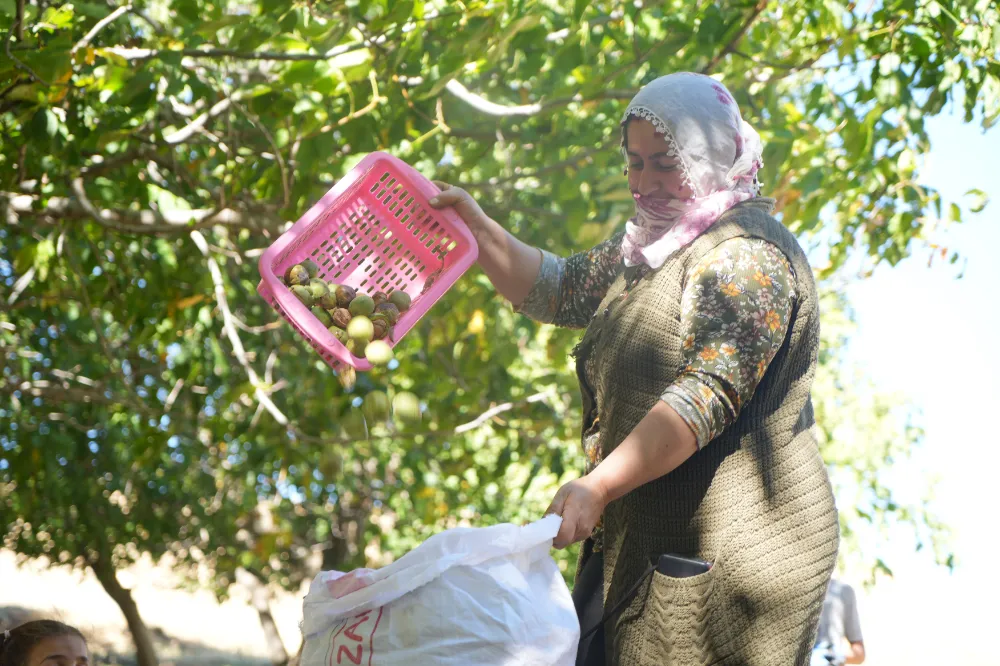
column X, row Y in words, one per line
column 152, row 403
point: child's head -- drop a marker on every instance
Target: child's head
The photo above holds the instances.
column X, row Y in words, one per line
column 43, row 643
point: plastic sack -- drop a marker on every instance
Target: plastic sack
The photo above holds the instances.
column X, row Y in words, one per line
column 487, row 596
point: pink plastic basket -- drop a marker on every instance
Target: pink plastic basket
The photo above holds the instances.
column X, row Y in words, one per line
column 374, row 230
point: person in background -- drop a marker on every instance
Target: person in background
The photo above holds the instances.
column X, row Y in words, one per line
column 839, row 627
column 43, row 643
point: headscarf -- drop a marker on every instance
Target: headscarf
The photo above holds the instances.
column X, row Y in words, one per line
column 719, row 155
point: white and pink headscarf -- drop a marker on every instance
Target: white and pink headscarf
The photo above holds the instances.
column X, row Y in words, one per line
column 719, row 155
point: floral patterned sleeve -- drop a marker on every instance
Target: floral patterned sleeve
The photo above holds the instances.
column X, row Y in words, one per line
column 568, row 290
column 734, row 315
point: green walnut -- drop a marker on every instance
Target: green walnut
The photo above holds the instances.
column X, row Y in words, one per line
column 361, row 328
column 354, row 424
column 329, row 466
column 406, row 408
column 317, row 288
column 322, row 315
column 400, row 299
column 345, row 295
column 357, row 347
column 296, row 275
column 362, row 305
column 375, row 407
column 378, row 352
column 340, row 334
column 341, row 318
column 390, row 311
column 311, row 266
column 380, row 297
column 328, row 301
column 302, row 293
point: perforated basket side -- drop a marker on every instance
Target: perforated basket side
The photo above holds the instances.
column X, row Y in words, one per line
column 379, row 238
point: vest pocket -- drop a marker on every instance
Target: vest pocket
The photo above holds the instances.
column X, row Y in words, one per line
column 677, row 618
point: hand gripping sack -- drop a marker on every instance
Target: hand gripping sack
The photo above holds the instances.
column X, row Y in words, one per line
column 487, row 596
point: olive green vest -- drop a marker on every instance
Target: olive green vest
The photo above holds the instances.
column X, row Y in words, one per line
column 756, row 501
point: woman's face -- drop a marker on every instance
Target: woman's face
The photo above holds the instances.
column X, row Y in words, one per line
column 59, row 651
column 652, row 172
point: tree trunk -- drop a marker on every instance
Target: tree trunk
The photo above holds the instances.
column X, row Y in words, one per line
column 261, row 595
column 145, row 653
column 276, row 651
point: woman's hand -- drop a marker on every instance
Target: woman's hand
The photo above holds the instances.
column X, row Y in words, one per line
column 512, row 266
column 467, row 208
column 580, row 503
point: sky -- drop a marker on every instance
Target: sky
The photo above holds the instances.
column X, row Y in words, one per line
column 935, row 339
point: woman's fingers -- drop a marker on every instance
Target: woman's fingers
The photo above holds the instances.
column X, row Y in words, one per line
column 558, row 503
column 567, row 531
column 450, row 196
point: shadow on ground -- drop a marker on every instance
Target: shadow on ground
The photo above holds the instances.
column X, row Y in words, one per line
column 171, row 651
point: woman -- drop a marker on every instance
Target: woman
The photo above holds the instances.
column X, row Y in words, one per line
column 43, row 643
column 695, row 369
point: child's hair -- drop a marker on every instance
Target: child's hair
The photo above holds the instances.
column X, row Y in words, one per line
column 17, row 643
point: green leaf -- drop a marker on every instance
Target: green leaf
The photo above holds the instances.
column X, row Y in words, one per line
column 954, row 213
column 55, row 18
column 44, row 123
column 980, row 200
column 189, row 10
column 52, row 63
column 44, row 253
column 91, row 9
column 209, row 29
column 136, row 89
column 499, row 48
column 711, row 27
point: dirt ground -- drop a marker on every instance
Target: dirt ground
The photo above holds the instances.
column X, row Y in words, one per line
column 190, row 627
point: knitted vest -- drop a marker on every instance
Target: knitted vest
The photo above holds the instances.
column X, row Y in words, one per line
column 756, row 501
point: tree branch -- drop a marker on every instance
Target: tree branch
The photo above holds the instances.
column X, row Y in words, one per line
column 257, row 330
column 474, row 424
column 146, row 54
column 569, row 162
column 94, row 318
column 229, row 328
column 99, row 26
column 21, row 284
column 198, row 123
column 63, row 393
column 142, row 221
column 18, row 29
column 488, row 107
column 286, row 186
column 154, row 24
column 482, row 104
column 19, row 21
column 758, row 8
column 498, row 409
